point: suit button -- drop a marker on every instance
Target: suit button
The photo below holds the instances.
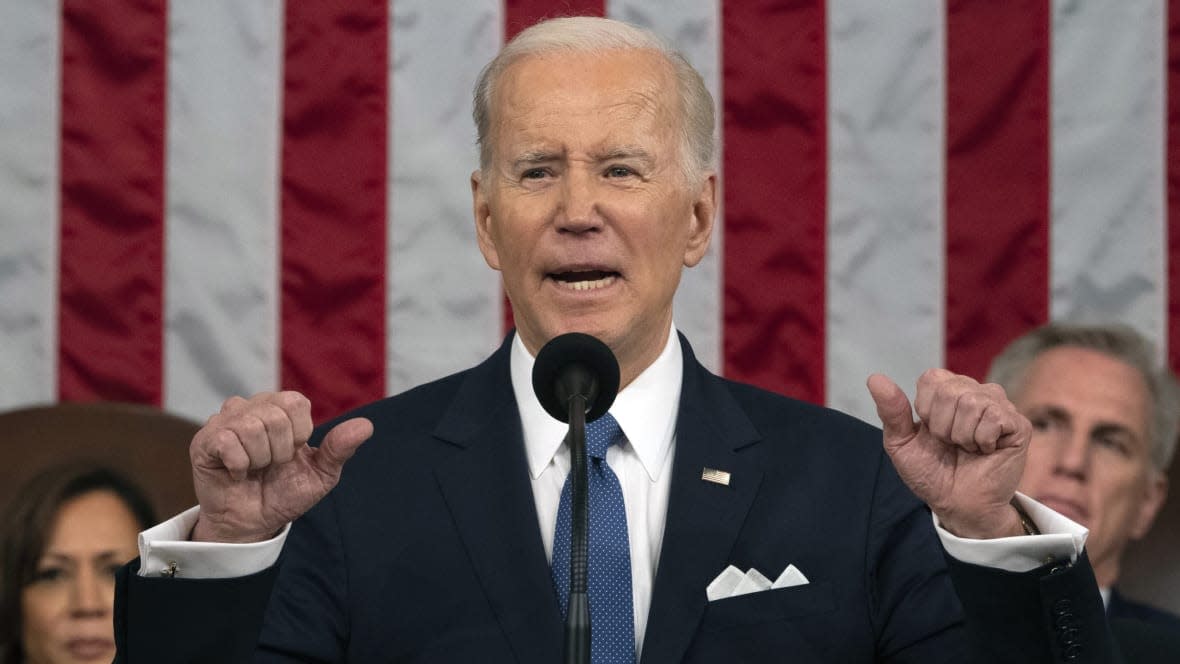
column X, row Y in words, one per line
column 1062, row 605
column 1072, row 653
column 1065, row 620
column 1068, row 637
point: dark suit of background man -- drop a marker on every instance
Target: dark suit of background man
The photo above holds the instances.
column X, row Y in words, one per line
column 1104, row 413
column 594, row 191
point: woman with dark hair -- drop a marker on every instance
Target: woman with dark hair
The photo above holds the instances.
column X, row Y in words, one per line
column 61, row 540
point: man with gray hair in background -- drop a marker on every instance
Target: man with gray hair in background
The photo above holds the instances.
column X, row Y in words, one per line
column 1104, row 414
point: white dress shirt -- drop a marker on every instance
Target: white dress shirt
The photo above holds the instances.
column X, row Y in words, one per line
column 646, row 411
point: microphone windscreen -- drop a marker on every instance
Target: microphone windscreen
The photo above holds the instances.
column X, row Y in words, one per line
column 563, row 356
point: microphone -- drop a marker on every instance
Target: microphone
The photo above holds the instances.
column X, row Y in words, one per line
column 576, row 378
column 575, row 364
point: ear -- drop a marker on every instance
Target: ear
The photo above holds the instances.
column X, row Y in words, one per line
column 1154, row 495
column 483, row 221
column 704, row 211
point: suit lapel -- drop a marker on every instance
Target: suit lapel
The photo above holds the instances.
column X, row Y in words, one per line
column 487, row 490
column 703, row 517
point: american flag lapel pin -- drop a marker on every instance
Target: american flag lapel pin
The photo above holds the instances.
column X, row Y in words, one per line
column 715, row 476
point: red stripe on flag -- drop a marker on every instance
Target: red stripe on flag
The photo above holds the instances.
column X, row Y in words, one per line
column 520, row 14
column 997, row 177
column 775, row 131
column 333, row 202
column 113, row 81
column 1173, row 183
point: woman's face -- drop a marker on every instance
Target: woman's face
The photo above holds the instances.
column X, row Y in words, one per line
column 66, row 609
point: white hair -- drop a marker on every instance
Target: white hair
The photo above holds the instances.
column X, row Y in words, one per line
column 589, row 34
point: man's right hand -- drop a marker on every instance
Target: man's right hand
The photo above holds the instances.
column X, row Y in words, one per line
column 253, row 470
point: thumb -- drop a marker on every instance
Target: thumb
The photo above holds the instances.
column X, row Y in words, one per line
column 893, row 407
column 340, row 444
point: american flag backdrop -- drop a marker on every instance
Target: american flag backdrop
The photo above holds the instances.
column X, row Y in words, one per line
column 201, row 198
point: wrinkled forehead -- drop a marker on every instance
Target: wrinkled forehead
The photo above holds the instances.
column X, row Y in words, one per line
column 620, row 84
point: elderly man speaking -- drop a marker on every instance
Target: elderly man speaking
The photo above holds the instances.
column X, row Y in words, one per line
column 727, row 524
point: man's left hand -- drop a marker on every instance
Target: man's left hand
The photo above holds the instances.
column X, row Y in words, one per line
column 965, row 453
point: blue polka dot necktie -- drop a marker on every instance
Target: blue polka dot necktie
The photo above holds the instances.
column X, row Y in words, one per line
column 612, row 622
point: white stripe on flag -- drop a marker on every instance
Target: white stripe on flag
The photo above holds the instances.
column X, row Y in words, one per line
column 885, row 241
column 694, row 28
column 224, row 120
column 30, row 48
column 444, row 303
column 1109, row 231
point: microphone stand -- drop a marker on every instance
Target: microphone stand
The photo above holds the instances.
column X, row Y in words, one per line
column 577, row 621
column 576, row 377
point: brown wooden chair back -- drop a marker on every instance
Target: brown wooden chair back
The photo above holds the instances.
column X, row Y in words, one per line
column 148, row 445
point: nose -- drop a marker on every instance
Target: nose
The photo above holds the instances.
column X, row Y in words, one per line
column 578, row 206
column 91, row 595
column 1073, row 454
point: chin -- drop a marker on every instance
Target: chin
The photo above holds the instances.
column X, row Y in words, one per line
column 595, row 326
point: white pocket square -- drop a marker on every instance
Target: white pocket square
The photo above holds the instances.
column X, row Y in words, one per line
column 732, row 582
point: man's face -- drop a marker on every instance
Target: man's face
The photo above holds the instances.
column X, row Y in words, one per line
column 1090, row 455
column 585, row 208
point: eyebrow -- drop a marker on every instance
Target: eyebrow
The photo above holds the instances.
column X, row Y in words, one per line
column 1055, row 412
column 626, row 152
column 1062, row 415
column 533, row 157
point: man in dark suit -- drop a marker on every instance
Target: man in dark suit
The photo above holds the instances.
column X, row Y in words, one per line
column 434, row 542
column 1121, row 607
column 1105, row 414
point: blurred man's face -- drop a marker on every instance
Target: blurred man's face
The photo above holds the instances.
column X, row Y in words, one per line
column 584, row 208
column 1090, row 455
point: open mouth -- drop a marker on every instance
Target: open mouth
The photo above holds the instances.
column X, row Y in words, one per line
column 584, row 280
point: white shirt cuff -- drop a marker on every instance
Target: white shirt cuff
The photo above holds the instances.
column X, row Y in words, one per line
column 167, row 544
column 1060, row 538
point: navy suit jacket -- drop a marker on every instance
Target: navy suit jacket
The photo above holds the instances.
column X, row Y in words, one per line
column 1121, row 607
column 1145, row 634
column 429, row 551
